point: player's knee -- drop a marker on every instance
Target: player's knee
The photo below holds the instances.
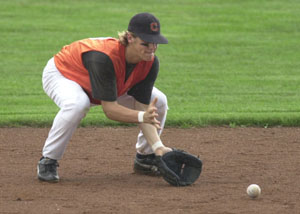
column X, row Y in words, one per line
column 82, row 104
column 76, row 108
column 162, row 102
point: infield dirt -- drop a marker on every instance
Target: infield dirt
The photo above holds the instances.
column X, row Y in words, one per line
column 97, row 177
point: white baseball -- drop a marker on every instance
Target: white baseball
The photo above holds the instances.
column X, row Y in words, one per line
column 253, row 190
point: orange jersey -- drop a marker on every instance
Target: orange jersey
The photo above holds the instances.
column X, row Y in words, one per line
column 69, row 62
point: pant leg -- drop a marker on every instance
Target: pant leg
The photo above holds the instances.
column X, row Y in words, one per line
column 73, row 103
column 142, row 146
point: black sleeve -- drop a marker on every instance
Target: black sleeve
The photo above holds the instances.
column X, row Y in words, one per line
column 142, row 91
column 102, row 75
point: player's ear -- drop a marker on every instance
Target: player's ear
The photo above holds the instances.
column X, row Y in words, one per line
column 130, row 38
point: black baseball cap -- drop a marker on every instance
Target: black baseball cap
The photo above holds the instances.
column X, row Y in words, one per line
column 147, row 27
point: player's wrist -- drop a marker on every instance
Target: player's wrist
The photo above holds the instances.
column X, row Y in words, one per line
column 162, row 150
column 141, row 116
column 158, row 148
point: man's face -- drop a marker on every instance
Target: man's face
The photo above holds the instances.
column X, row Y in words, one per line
column 143, row 49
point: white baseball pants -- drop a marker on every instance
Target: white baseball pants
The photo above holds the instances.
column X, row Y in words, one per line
column 74, row 104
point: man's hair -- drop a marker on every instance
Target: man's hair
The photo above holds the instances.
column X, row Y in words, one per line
column 123, row 37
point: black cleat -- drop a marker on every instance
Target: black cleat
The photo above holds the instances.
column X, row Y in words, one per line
column 144, row 164
column 47, row 170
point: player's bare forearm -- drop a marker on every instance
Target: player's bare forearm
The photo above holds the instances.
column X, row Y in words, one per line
column 152, row 137
column 150, row 131
column 119, row 113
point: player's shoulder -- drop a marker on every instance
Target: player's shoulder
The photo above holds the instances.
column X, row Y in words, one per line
column 101, row 38
column 96, row 56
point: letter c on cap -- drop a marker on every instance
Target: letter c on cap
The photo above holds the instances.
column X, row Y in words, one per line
column 154, row 26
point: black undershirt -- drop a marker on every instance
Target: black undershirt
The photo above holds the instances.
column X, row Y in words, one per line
column 103, row 78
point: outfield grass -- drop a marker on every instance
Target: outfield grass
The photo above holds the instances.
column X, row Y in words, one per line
column 228, row 62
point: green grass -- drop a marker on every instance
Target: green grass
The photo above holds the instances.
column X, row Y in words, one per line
column 228, row 62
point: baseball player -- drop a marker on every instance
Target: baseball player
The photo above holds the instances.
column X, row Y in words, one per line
column 119, row 75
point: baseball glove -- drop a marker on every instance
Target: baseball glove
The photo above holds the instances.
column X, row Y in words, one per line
column 179, row 168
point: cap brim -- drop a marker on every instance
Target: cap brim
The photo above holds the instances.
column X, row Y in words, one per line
column 152, row 38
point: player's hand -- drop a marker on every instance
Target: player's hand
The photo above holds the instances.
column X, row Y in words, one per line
column 151, row 114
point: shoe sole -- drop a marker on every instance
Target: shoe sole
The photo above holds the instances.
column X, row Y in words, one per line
column 48, row 181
